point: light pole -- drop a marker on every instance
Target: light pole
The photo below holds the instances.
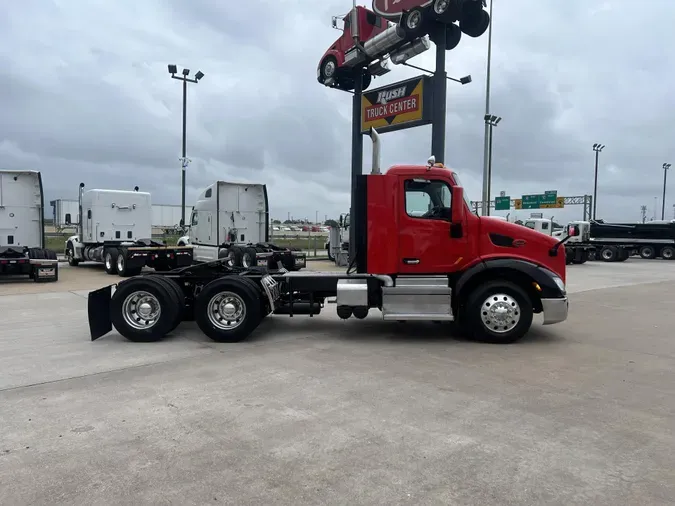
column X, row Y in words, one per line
column 666, row 166
column 486, row 155
column 173, row 70
column 490, row 122
column 597, row 148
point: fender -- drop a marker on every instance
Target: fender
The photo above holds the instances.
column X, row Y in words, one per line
column 542, row 276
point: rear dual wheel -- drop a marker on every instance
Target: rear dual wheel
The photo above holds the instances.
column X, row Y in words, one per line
column 145, row 309
column 228, row 309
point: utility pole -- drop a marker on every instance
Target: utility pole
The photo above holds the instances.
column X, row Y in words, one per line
column 485, row 208
column 173, row 70
column 666, row 166
column 491, row 121
column 643, row 212
column 597, row 148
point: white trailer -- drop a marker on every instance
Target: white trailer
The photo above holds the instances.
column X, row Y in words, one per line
column 231, row 221
column 65, row 213
column 166, row 216
column 116, row 230
column 22, row 227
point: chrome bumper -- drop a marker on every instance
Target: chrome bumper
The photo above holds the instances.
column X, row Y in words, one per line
column 554, row 310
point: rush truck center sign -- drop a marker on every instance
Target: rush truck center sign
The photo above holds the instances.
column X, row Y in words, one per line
column 405, row 104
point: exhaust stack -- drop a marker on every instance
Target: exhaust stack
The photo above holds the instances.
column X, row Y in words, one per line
column 81, row 220
column 375, row 137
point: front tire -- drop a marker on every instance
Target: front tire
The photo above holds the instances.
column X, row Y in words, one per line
column 413, row 23
column 475, row 25
column 498, row 312
column 143, row 310
column 328, row 69
column 227, row 310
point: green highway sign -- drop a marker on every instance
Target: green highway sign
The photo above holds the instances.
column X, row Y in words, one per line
column 502, row 203
column 543, row 200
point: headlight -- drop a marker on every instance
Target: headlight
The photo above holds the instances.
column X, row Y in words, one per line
column 559, row 283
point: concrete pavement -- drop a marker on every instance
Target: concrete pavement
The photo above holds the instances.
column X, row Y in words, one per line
column 313, row 411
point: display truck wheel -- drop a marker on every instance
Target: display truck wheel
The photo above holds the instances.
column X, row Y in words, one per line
column 249, row 257
column 647, row 252
column 609, row 253
column 226, row 311
column 441, row 10
column 668, row 253
column 122, row 268
column 176, row 294
column 70, row 255
column 110, row 260
column 413, row 23
column 453, row 36
column 475, row 25
column 498, row 312
column 328, row 68
column 257, row 292
column 142, row 309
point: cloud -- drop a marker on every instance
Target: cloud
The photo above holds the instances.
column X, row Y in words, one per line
column 86, row 97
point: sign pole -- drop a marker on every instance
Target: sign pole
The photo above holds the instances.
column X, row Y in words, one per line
column 440, row 92
column 357, row 156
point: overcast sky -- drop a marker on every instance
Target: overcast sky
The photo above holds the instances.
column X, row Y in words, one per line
column 86, row 97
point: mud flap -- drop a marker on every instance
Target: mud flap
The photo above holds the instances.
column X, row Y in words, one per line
column 99, row 312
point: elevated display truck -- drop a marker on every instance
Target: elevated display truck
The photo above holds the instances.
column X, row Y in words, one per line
column 421, row 255
column 116, row 230
column 22, row 227
column 231, row 221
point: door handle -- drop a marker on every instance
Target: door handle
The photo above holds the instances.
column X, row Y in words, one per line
column 411, row 261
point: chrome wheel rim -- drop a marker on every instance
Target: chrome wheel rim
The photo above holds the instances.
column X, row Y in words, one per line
column 500, row 313
column 647, row 252
column 441, row 6
column 329, row 68
column 413, row 20
column 607, row 254
column 247, row 261
column 226, row 310
column 667, row 253
column 108, row 261
column 141, row 310
column 120, row 263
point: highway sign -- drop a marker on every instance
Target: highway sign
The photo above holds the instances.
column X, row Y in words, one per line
column 546, row 200
column 502, row 203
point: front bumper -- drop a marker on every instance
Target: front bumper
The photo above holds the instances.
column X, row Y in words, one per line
column 555, row 310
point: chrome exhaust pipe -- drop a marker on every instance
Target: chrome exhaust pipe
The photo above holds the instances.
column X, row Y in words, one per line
column 375, row 137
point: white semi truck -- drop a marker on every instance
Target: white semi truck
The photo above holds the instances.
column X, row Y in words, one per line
column 337, row 245
column 578, row 250
column 115, row 229
column 231, row 221
column 22, row 227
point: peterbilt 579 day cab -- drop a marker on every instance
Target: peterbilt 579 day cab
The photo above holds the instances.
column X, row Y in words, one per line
column 231, row 221
column 421, row 255
column 22, row 227
column 115, row 229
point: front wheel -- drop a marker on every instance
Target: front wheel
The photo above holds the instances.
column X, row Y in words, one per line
column 499, row 312
column 328, row 69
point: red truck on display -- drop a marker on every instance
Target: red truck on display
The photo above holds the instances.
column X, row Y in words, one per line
column 421, row 255
column 399, row 41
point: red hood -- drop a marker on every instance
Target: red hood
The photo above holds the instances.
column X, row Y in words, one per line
column 510, row 239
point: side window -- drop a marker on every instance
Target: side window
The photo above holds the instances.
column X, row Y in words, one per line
column 529, row 224
column 544, row 225
column 89, row 214
column 195, row 218
column 207, row 195
column 427, row 199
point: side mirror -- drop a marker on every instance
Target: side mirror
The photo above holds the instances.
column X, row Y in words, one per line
column 458, row 208
column 573, row 230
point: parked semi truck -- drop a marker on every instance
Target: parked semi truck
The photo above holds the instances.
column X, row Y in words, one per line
column 22, row 227
column 578, row 249
column 337, row 245
column 421, row 256
column 617, row 241
column 231, row 221
column 116, row 230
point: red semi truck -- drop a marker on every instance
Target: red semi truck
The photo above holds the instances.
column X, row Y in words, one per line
column 421, row 255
